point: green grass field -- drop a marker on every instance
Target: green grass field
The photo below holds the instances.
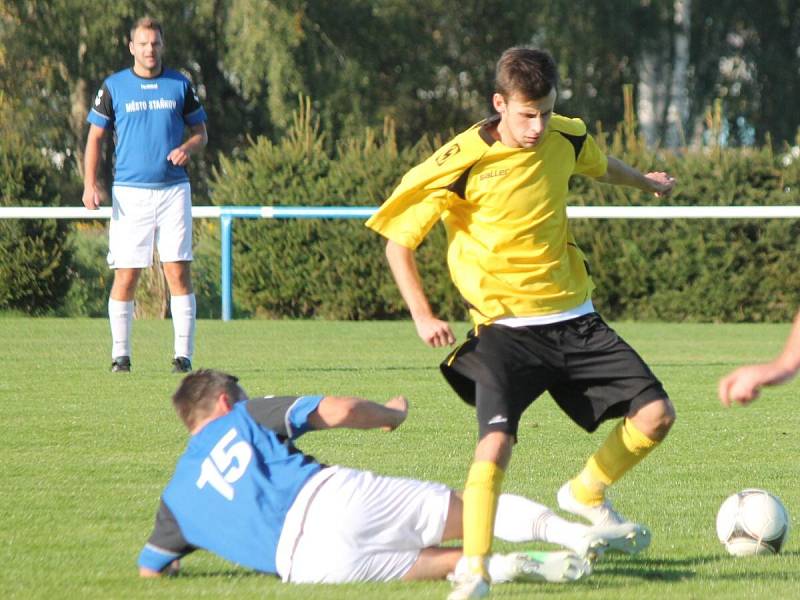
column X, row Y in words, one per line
column 85, row 454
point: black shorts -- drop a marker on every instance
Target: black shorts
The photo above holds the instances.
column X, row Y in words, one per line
column 591, row 372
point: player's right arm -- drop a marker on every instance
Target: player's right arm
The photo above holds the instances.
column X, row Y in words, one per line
column 433, row 331
column 406, row 217
column 743, row 385
column 100, row 118
column 91, row 164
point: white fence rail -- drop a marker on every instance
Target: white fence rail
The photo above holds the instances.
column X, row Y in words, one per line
column 226, row 214
column 322, row 212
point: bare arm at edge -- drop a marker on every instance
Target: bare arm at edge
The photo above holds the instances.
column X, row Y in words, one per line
column 743, row 385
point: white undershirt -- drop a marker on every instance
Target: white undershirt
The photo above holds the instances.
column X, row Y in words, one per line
column 573, row 313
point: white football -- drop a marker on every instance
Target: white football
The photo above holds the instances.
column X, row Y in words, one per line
column 752, row 522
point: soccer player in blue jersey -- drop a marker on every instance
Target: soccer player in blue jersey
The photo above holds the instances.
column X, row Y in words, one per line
column 148, row 108
column 243, row 490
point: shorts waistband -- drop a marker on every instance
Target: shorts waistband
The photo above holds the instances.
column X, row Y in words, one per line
column 560, row 317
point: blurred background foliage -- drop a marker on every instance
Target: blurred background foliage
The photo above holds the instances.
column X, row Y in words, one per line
column 703, row 89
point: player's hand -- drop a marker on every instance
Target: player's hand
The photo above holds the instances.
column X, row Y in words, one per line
column 661, row 183
column 400, row 405
column 173, row 569
column 435, row 332
column 178, row 157
column 91, row 197
column 739, row 387
column 745, row 383
column 170, row 570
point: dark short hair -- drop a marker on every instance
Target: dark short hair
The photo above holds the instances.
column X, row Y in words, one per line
column 198, row 392
column 147, row 23
column 529, row 72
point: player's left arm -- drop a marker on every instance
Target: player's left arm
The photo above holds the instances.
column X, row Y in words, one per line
column 619, row 173
column 197, row 140
column 356, row 413
column 293, row 416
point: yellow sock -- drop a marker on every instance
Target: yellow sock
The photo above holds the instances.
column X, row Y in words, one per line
column 480, row 505
column 622, row 450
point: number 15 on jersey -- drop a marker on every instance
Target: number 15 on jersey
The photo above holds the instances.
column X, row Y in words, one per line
column 218, row 469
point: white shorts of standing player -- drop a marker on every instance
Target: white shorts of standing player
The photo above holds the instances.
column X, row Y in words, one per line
column 142, row 218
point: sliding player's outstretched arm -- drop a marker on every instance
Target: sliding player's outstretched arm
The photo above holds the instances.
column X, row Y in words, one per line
column 355, row 413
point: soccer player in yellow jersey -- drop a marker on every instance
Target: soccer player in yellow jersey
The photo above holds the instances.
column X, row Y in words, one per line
column 500, row 188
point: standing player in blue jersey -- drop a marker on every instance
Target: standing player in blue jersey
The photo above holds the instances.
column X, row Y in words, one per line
column 148, row 108
column 243, row 490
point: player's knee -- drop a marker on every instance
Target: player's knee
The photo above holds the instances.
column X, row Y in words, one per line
column 662, row 418
column 179, row 277
column 125, row 281
column 655, row 419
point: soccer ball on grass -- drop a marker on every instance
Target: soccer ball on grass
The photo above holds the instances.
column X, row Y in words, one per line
column 752, row 522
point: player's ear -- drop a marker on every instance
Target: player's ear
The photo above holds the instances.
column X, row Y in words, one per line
column 499, row 103
column 130, row 47
column 225, row 403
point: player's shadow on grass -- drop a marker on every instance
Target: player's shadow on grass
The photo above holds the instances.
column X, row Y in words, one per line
column 222, row 574
column 654, row 569
column 692, row 365
column 666, row 569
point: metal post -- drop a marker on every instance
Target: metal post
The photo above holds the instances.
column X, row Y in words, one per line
column 226, row 264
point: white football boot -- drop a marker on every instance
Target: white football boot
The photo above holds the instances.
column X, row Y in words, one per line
column 555, row 567
column 627, row 538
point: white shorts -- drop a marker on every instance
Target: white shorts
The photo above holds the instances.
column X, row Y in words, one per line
column 141, row 217
column 348, row 525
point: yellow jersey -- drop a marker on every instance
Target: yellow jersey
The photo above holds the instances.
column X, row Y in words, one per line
column 510, row 249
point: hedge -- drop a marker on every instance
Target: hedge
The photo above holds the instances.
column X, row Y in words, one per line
column 693, row 270
column 316, row 268
column 34, row 254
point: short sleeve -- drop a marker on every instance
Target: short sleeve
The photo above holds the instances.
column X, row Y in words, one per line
column 408, row 223
column 424, row 194
column 591, row 161
column 102, row 110
column 285, row 415
column 299, row 413
column 193, row 111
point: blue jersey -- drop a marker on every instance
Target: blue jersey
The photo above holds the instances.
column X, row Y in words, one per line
column 234, row 484
column 148, row 116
